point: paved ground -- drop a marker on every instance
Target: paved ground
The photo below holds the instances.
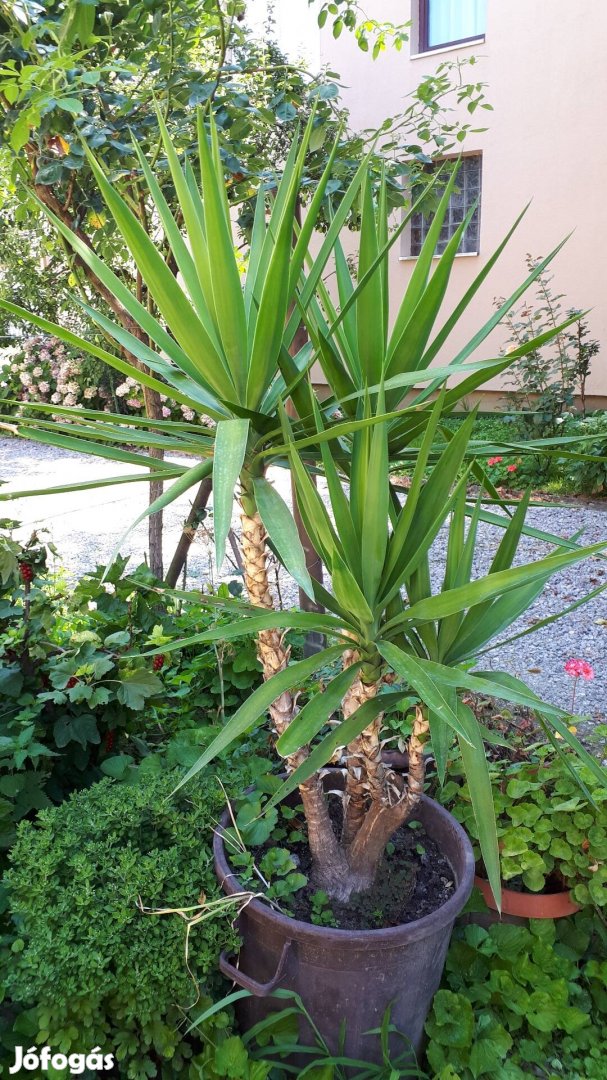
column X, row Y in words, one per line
column 85, row 528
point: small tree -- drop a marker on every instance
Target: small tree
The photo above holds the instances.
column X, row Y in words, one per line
column 547, row 380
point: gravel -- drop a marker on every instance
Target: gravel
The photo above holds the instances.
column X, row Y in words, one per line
column 86, row 527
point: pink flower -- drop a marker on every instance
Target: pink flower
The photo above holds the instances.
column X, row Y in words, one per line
column 494, row 460
column 579, row 668
column 511, row 468
column 166, row 412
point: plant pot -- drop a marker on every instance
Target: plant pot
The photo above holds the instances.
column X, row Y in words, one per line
column 349, row 977
column 529, row 905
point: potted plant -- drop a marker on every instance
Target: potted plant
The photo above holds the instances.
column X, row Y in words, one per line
column 222, row 345
column 552, row 833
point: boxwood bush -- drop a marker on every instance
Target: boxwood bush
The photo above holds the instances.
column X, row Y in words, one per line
column 87, row 967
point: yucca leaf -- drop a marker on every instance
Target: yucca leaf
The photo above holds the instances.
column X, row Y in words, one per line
column 85, row 446
column 176, row 242
column 459, row 574
column 311, row 217
column 476, row 769
column 326, row 248
column 376, row 511
column 484, row 622
column 508, row 304
column 407, row 352
column 251, row 621
column 281, row 528
column 429, row 687
column 442, row 739
column 258, row 235
column 198, row 349
column 253, row 710
column 345, row 288
column 433, row 505
column 349, row 594
column 407, row 514
column 541, row 623
column 225, row 278
column 369, row 306
column 419, row 277
column 90, row 485
column 500, row 684
column 460, row 599
column 470, row 293
column 188, row 479
column 230, row 448
column 315, row 714
column 273, row 301
column 339, row 504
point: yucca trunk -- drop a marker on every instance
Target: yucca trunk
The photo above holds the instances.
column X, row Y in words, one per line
column 271, row 650
column 386, row 814
column 274, row 656
column 364, row 771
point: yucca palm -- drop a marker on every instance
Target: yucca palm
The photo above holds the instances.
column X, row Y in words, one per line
column 387, row 619
column 220, row 342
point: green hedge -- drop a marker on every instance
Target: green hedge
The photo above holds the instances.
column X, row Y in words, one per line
column 88, row 968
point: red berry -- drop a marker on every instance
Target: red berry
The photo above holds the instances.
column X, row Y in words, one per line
column 158, row 662
column 109, row 741
column 71, row 682
column 27, row 574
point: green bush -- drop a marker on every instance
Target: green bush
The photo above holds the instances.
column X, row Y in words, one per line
column 87, row 967
column 75, row 692
column 589, row 476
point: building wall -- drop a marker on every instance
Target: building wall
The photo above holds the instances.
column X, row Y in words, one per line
column 545, row 68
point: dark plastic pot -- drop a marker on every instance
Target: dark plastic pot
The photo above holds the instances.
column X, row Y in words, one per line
column 347, row 977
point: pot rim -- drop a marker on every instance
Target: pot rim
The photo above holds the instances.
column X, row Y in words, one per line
column 529, row 905
column 411, row 931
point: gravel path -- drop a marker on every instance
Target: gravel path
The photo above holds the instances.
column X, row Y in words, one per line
column 86, row 526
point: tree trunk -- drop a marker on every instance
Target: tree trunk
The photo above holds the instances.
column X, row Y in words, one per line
column 274, row 657
column 365, row 774
column 386, row 815
column 189, row 531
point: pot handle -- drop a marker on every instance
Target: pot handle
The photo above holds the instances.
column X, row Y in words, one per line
column 258, row 989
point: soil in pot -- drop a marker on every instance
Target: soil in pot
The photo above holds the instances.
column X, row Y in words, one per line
column 415, row 879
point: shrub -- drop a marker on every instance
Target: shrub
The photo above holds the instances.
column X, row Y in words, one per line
column 546, row 381
column 44, row 369
column 590, row 476
column 88, row 967
column 74, row 692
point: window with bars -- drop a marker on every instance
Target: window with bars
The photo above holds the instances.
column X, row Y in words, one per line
column 467, row 191
column 450, row 22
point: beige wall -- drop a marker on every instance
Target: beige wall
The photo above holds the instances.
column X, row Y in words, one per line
column 544, row 63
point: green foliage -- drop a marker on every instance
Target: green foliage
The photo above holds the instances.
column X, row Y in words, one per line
column 520, row 998
column 547, row 379
column 549, row 831
column 87, row 966
column 77, row 699
column 589, row 476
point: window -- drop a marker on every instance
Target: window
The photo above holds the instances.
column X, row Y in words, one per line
column 448, row 22
column 467, row 191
